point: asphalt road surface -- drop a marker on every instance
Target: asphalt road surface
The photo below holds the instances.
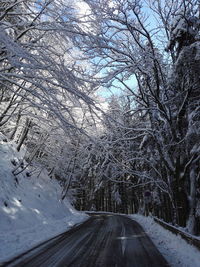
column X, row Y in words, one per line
column 102, row 241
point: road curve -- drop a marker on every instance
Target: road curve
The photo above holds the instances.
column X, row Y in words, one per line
column 102, row 241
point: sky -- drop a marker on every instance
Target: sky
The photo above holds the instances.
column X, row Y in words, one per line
column 108, row 92
column 115, row 90
column 132, row 83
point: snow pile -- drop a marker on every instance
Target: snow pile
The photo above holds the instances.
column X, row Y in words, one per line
column 30, row 206
column 175, row 249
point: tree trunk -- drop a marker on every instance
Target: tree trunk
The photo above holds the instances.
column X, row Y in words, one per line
column 24, row 133
column 12, row 135
column 191, row 223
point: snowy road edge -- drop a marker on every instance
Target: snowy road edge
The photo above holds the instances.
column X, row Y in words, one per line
column 189, row 238
column 43, row 243
column 174, row 248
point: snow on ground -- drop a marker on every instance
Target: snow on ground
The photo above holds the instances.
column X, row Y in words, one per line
column 30, row 207
column 175, row 249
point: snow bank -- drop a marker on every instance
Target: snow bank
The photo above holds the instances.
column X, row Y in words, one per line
column 30, row 207
column 175, row 249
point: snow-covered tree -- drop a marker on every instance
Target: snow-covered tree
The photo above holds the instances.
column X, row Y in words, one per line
column 165, row 88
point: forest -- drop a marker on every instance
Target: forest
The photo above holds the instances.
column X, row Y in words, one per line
column 105, row 95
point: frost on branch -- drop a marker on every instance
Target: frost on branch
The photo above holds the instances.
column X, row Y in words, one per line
column 184, row 32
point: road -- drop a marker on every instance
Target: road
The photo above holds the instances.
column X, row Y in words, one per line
column 102, row 241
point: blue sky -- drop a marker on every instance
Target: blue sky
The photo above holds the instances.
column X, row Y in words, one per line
column 108, row 92
column 132, row 83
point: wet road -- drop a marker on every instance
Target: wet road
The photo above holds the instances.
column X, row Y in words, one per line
column 103, row 241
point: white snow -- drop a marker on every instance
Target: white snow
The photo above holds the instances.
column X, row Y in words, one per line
column 30, row 208
column 175, row 249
